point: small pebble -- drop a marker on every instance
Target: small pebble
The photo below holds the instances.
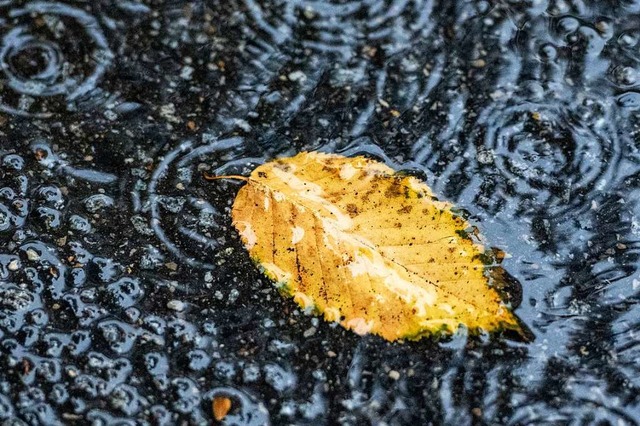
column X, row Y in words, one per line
column 176, row 305
column 297, row 76
column 13, row 265
column 32, row 255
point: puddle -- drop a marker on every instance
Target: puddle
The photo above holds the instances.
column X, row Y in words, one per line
column 126, row 295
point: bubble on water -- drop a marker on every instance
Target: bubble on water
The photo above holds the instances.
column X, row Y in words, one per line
column 125, row 292
column 127, row 399
column 118, row 335
column 80, row 224
column 16, row 304
column 279, row 378
column 186, row 395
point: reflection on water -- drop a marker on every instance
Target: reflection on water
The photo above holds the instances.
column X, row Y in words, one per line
column 127, row 295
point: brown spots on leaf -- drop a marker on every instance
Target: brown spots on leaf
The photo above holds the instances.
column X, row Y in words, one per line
column 335, row 196
column 282, row 165
column 369, row 194
column 330, row 169
column 405, row 209
column 352, row 210
column 395, row 189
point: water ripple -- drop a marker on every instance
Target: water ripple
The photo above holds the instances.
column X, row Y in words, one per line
column 339, row 27
column 525, row 113
column 182, row 214
column 549, row 155
column 51, row 55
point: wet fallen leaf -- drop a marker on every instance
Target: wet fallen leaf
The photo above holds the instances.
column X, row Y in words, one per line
column 221, row 406
column 370, row 248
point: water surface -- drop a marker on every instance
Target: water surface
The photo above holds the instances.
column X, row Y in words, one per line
column 125, row 294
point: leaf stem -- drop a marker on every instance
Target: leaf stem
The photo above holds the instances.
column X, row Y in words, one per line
column 208, row 176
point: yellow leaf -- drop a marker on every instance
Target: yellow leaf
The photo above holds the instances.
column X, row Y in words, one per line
column 367, row 247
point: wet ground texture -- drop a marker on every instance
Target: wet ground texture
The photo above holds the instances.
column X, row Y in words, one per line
column 126, row 296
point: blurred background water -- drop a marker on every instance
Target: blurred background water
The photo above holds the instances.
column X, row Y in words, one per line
column 126, row 296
